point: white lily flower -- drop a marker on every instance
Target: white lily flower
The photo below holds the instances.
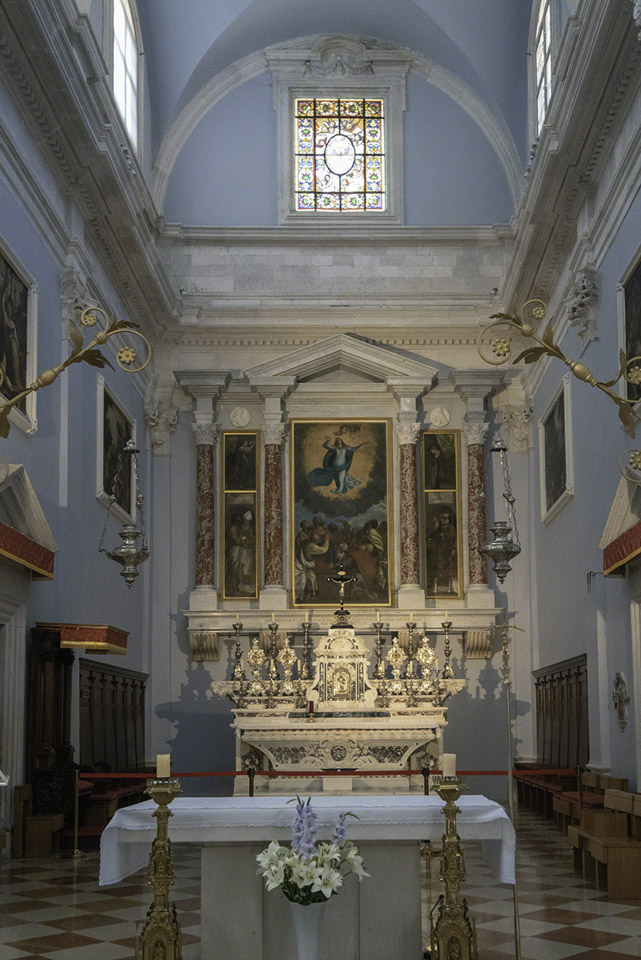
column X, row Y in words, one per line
column 326, row 881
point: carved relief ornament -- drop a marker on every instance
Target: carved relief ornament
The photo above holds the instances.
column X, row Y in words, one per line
column 407, row 433
column 273, row 433
column 205, row 434
column 475, row 432
column 581, row 304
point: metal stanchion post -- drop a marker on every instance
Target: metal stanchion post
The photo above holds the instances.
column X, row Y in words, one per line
column 76, row 853
column 251, row 774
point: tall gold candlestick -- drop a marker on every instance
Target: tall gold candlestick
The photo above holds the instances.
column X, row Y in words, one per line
column 160, row 935
column 453, row 934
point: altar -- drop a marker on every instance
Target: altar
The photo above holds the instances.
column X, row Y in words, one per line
column 377, row 919
column 340, row 711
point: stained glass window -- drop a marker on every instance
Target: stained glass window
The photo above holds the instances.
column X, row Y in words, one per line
column 339, row 154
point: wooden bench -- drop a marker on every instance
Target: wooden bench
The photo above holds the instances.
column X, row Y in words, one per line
column 568, row 805
column 537, row 788
column 604, row 851
column 33, row 835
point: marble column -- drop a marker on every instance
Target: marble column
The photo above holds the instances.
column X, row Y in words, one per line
column 474, row 435
column 274, row 434
column 410, row 591
column 205, row 435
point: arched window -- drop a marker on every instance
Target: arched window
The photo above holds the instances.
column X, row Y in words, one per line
column 125, row 67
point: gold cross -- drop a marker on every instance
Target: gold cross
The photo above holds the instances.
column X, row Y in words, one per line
column 341, row 578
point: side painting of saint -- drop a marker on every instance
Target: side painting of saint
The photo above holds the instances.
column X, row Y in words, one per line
column 341, row 510
column 441, row 510
column 240, row 518
column 13, row 333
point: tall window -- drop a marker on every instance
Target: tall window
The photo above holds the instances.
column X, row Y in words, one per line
column 339, row 154
column 543, row 62
column 125, row 68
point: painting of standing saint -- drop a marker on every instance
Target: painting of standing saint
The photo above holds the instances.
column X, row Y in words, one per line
column 340, row 510
column 13, row 333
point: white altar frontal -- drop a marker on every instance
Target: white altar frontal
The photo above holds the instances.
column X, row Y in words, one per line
column 377, row 919
column 339, row 714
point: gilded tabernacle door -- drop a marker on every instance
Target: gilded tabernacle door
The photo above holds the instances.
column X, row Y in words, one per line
column 340, row 511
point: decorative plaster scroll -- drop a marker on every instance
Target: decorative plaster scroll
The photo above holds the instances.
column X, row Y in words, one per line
column 478, row 644
column 517, row 419
column 161, row 419
column 475, row 432
column 339, row 56
column 205, row 434
column 73, row 291
column 581, row 303
column 407, row 433
column 204, row 645
column 273, row 433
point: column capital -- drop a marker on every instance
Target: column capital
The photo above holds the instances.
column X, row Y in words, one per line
column 273, row 432
column 475, row 432
column 205, row 434
column 407, row 432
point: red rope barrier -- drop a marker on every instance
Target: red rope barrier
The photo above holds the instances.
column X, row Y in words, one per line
column 290, row 773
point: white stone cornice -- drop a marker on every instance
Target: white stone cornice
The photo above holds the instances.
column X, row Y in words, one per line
column 475, row 432
column 203, row 383
column 407, row 433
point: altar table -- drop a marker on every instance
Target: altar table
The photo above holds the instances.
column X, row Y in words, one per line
column 378, row 919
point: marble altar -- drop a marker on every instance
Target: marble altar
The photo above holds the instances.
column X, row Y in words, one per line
column 341, row 714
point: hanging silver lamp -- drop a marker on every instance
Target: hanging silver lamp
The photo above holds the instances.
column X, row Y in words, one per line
column 129, row 554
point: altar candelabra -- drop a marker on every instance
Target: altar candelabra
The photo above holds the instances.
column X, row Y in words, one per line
column 160, row 936
column 379, row 669
column 453, row 934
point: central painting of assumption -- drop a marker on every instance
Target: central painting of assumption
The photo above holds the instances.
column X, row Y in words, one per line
column 340, row 510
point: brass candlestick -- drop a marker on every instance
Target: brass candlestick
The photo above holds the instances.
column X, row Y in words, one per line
column 453, row 934
column 160, row 935
column 379, row 669
column 448, row 672
column 307, row 652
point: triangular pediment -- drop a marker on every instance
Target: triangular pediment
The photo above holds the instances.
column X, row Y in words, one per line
column 621, row 538
column 343, row 358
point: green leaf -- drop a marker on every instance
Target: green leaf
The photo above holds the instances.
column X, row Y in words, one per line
column 76, row 338
column 96, row 359
column 531, row 355
column 5, row 426
column 627, row 418
column 548, row 335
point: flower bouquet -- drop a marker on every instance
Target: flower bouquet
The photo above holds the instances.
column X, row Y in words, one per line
column 309, row 871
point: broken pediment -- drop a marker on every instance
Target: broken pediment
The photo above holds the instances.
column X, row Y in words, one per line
column 621, row 539
column 25, row 535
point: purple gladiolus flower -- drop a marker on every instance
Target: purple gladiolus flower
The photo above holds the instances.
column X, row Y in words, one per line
column 340, row 829
column 304, row 830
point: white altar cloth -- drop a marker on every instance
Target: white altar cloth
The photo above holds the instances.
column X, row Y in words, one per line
column 125, row 843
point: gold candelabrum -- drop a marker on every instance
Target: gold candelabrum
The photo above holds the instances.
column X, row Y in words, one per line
column 277, row 676
column 160, row 937
column 453, row 933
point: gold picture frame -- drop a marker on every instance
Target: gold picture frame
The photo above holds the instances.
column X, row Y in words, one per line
column 443, row 541
column 341, row 510
column 240, row 527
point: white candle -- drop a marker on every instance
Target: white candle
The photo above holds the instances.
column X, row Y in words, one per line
column 273, row 617
column 298, row 667
column 446, row 617
column 237, row 618
column 411, row 617
column 163, row 766
column 307, row 616
column 378, row 616
column 448, row 765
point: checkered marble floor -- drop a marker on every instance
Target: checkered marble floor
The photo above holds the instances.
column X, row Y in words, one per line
column 54, row 909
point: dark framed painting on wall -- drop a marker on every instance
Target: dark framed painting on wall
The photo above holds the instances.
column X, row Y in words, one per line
column 555, row 453
column 240, row 526
column 340, row 510
column 115, row 467
column 441, row 457
column 629, row 309
column 18, row 316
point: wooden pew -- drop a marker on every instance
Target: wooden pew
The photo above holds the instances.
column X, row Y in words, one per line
column 606, row 847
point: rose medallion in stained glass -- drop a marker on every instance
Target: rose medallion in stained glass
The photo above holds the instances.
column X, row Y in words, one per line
column 339, row 154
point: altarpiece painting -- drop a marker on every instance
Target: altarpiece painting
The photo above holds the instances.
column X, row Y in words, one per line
column 340, row 514
column 442, row 509
column 240, row 502
column 555, row 453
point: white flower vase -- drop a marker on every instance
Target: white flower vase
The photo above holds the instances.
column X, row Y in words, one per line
column 308, row 919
